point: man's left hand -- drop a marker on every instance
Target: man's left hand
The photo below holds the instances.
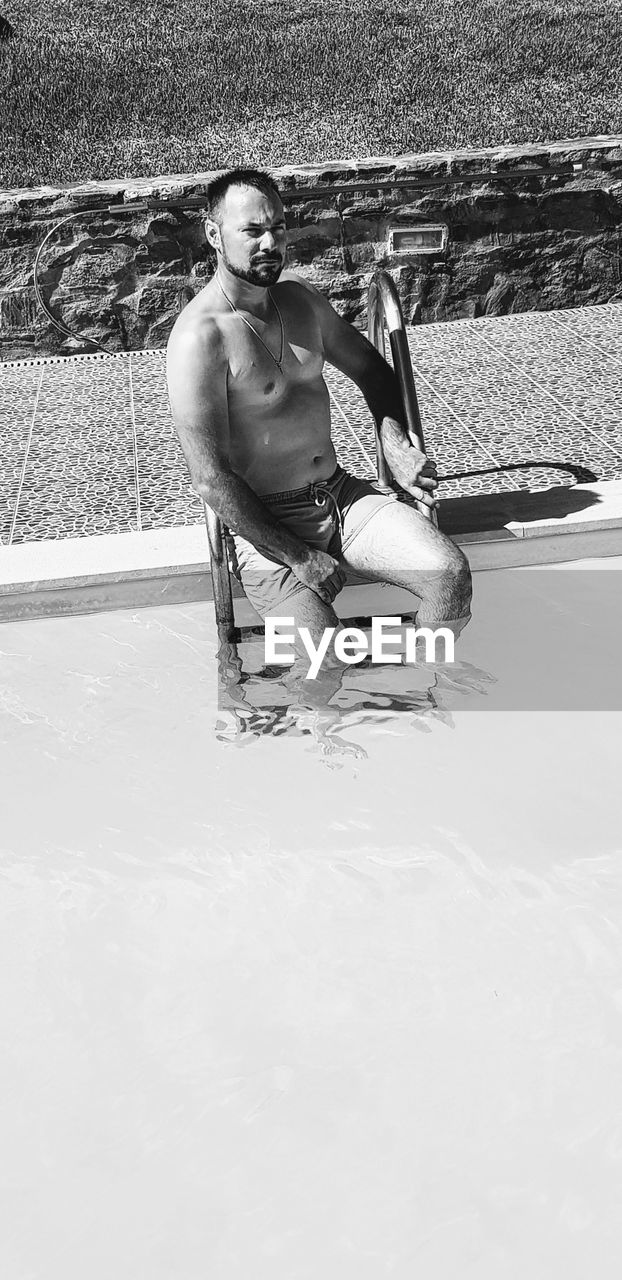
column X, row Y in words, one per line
column 411, row 469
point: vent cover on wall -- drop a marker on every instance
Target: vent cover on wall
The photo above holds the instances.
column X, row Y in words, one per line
column 428, row 237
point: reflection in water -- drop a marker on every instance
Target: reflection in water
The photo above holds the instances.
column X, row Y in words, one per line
column 257, row 701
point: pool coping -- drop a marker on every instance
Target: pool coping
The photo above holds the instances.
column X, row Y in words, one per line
column 65, row 576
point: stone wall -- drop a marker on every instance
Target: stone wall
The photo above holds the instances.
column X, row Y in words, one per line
column 120, row 275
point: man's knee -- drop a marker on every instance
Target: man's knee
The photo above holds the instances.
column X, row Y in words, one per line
column 459, row 571
column 450, row 578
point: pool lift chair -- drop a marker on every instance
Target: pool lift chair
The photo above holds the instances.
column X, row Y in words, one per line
column 384, row 310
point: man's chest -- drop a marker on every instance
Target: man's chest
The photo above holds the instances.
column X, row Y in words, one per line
column 262, row 374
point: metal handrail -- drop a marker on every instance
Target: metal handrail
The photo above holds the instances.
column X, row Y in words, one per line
column 384, row 309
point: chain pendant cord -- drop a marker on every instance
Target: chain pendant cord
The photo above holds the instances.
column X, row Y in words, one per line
column 278, row 362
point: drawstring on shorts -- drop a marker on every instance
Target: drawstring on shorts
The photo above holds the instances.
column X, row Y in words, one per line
column 320, row 492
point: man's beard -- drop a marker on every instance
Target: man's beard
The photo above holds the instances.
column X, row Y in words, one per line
column 262, row 274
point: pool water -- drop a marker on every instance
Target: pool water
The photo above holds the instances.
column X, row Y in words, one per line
column 301, row 998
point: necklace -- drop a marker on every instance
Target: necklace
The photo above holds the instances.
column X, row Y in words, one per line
column 278, row 362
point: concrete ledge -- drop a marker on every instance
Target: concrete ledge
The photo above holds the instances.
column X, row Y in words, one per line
column 604, row 147
column 603, row 512
column 78, row 560
column 62, row 600
column 170, row 566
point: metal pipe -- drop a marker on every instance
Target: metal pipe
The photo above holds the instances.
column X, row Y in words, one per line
column 384, row 309
column 58, row 324
column 398, row 183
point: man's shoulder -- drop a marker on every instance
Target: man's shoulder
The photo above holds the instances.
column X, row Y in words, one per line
column 297, row 285
column 198, row 329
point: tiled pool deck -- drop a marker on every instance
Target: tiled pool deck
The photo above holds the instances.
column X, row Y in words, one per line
column 517, row 411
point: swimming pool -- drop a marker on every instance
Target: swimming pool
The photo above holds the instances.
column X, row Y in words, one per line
column 278, row 1006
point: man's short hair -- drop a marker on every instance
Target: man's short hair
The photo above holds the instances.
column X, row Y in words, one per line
column 218, row 189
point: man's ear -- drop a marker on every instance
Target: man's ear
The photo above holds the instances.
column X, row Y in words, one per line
column 212, row 233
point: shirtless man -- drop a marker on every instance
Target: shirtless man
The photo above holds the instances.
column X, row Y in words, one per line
column 252, row 410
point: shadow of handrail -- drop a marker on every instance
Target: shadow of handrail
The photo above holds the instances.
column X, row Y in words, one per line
column 483, row 512
column 582, row 475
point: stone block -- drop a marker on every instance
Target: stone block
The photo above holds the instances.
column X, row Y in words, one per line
column 15, row 269
column 573, row 210
column 20, row 234
column 18, row 312
column 500, row 296
column 17, row 347
column 203, row 270
column 316, row 233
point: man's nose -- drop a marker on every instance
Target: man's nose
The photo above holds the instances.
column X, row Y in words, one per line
column 268, row 242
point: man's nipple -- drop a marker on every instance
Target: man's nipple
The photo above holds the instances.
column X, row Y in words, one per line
column 268, row 388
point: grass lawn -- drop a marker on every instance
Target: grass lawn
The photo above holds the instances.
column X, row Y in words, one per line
column 115, row 88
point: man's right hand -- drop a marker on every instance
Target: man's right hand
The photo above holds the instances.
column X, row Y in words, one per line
column 322, row 573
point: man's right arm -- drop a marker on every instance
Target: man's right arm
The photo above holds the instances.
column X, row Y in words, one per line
column 197, row 385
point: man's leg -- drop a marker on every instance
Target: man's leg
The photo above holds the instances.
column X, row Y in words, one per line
column 308, row 611
column 272, row 591
column 311, row 697
column 399, row 545
column 269, row 589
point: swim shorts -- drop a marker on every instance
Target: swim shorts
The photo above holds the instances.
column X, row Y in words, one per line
column 328, row 515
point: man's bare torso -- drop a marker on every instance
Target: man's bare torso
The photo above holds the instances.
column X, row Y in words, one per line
column 279, row 422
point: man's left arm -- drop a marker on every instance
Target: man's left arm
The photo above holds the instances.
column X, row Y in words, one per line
column 351, row 353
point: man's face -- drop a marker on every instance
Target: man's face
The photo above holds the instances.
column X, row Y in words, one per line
column 252, row 235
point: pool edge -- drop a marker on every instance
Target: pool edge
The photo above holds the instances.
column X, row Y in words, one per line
column 62, row 577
